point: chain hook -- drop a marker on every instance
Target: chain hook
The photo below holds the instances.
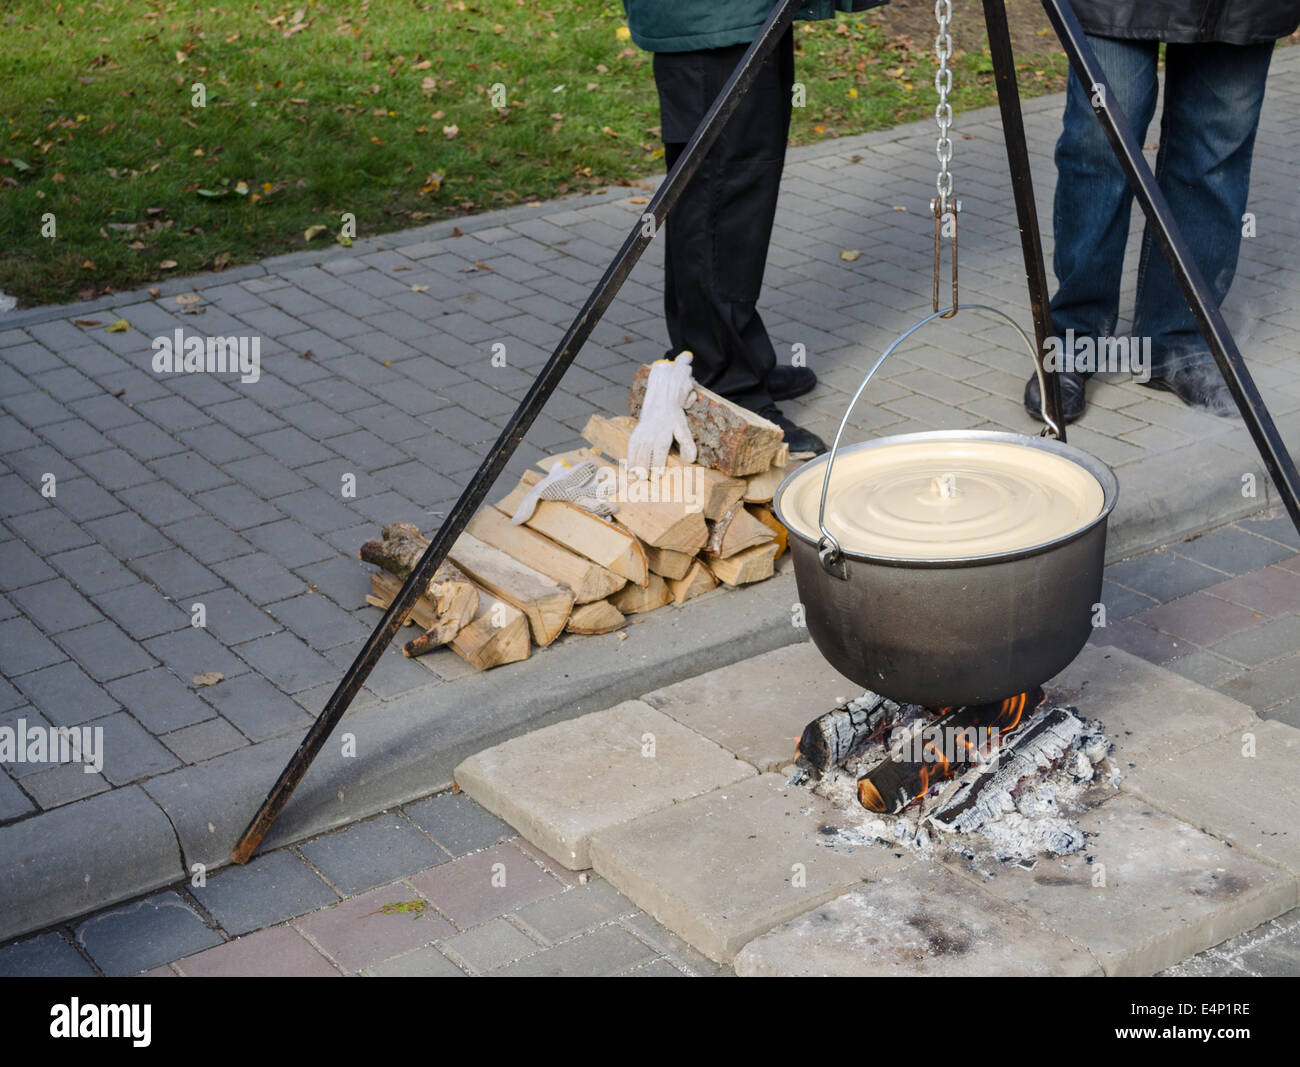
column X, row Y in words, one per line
column 944, row 206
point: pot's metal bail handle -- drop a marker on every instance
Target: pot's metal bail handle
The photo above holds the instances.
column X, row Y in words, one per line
column 829, row 551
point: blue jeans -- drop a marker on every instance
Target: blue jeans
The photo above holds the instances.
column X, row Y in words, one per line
column 1213, row 94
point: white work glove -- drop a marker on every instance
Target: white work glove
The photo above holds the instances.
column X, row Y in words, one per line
column 668, row 392
column 579, row 485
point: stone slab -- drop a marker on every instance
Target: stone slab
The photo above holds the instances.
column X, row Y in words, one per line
column 723, row 868
column 923, row 921
column 758, row 708
column 559, row 785
column 1150, row 713
column 85, row 855
column 1169, row 890
column 1252, row 801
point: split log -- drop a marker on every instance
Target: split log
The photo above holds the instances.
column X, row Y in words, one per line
column 668, row 564
column 718, row 491
column 942, row 751
column 736, row 532
column 699, row 579
column 497, row 635
column 451, row 599
column 579, row 530
column 761, row 488
column 768, row 518
column 634, row 599
column 589, row 581
column 751, row 565
column 545, row 603
column 598, row 617
column 1039, row 745
column 727, row 437
column 832, row 738
column 662, row 520
column 440, row 625
column 399, row 551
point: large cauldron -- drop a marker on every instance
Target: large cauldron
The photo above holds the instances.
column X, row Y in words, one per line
column 943, row 632
column 946, row 632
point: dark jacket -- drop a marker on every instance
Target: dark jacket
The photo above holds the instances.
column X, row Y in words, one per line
column 693, row 25
column 1190, row 21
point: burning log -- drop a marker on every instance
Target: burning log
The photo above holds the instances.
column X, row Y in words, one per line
column 981, row 800
column 831, row 738
column 896, row 782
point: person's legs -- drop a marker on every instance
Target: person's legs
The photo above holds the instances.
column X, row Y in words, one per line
column 1090, row 216
column 1213, row 95
column 718, row 232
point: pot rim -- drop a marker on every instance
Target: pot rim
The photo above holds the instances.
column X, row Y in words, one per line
column 1099, row 470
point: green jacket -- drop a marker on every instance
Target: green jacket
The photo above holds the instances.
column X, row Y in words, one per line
column 693, row 25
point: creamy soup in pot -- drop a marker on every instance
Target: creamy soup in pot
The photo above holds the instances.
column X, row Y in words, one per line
column 944, row 499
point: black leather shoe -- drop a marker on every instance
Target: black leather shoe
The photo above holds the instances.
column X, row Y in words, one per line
column 786, row 383
column 1073, row 400
column 1201, row 387
column 799, row 439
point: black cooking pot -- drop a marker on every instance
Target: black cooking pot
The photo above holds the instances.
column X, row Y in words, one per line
column 947, row 632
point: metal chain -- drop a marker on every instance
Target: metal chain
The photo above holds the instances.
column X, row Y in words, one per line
column 943, row 111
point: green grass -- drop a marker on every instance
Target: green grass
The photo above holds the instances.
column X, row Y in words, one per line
column 382, row 109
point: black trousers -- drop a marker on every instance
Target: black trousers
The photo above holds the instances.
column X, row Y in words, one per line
column 717, row 233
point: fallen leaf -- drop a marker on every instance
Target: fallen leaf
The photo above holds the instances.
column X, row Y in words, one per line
column 208, row 678
column 168, row 264
column 419, row 288
column 120, row 326
column 450, row 131
column 312, row 232
column 85, row 322
column 622, row 34
column 849, row 255
column 638, row 200
column 608, row 132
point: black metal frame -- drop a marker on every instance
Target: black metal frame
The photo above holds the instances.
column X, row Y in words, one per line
column 1127, row 151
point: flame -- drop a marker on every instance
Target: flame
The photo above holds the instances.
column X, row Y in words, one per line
column 937, row 768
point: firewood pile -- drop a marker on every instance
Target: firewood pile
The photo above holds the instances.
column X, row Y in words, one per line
column 676, row 534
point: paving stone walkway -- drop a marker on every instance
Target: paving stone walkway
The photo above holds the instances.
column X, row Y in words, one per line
column 129, row 497
column 442, row 887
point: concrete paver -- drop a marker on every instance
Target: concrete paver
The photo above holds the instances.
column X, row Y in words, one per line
column 1150, row 714
column 563, row 783
column 725, row 867
column 1150, row 890
column 923, row 921
column 1241, row 788
column 358, row 933
column 280, row 951
column 136, row 937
